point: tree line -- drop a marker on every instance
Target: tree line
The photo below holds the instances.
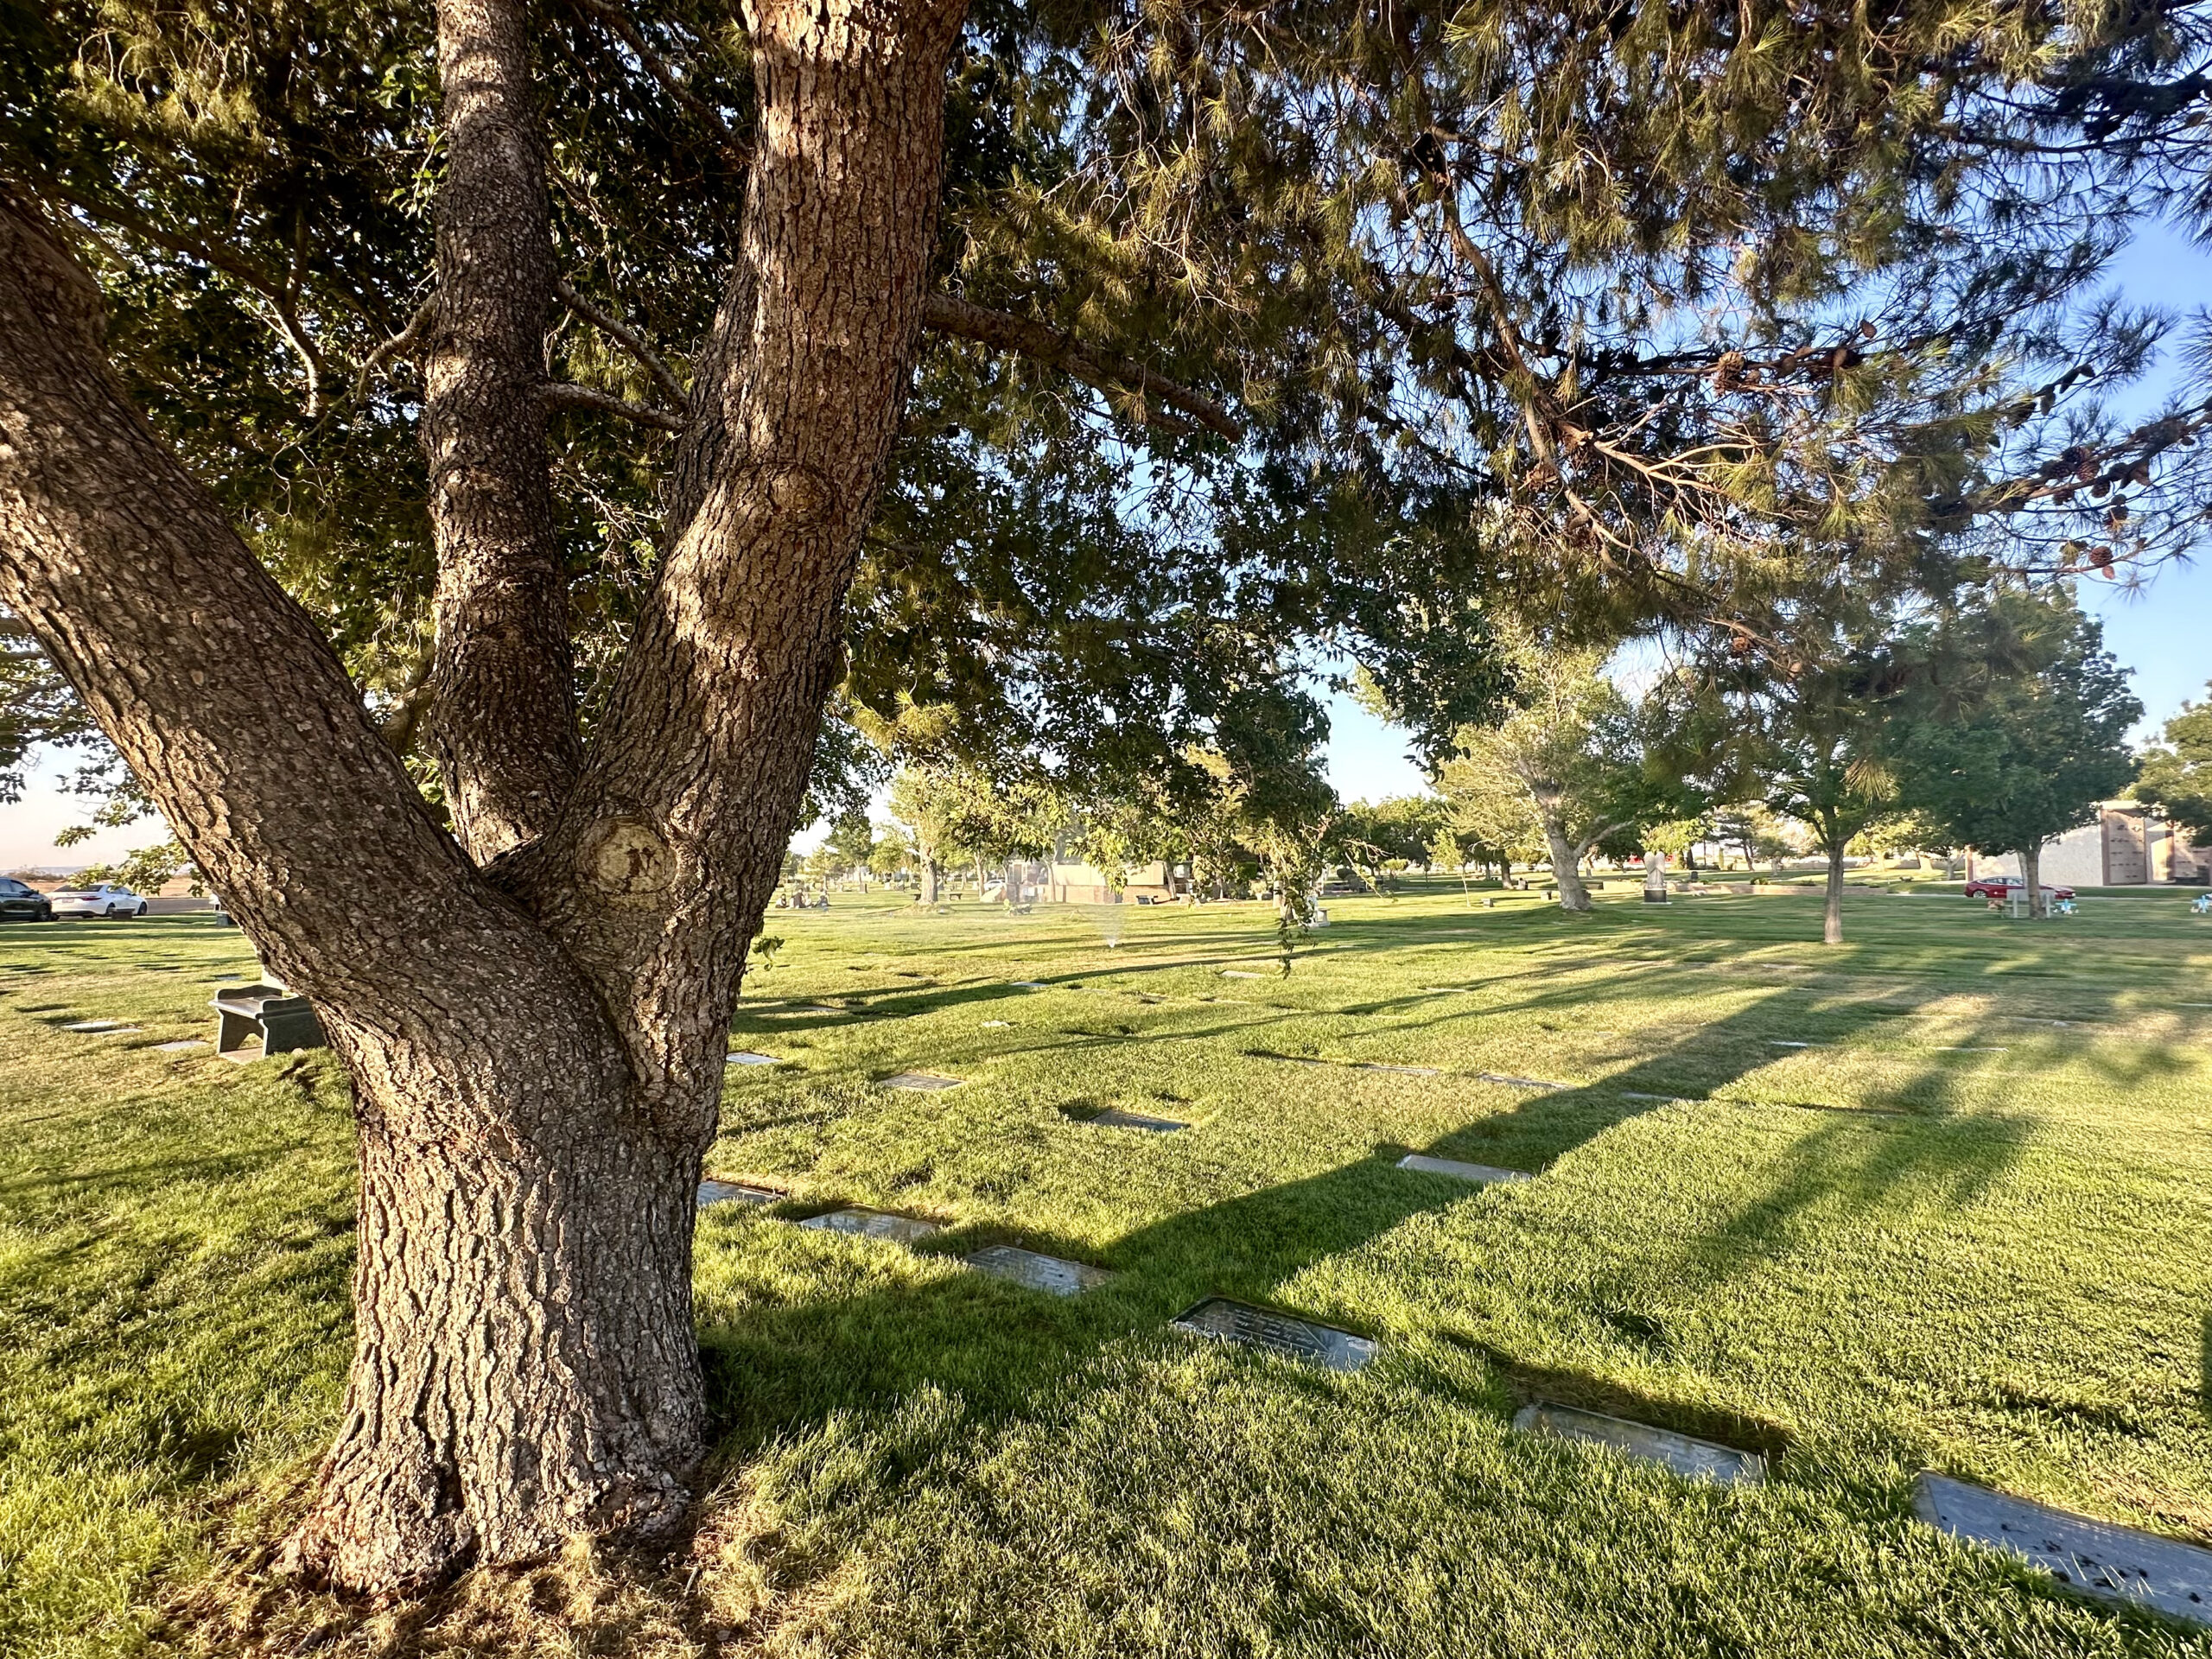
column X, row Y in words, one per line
column 1992, row 721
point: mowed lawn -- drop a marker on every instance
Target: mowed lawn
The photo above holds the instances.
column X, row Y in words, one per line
column 1967, row 1228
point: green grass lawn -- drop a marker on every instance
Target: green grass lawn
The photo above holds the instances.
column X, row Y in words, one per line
column 1970, row 1229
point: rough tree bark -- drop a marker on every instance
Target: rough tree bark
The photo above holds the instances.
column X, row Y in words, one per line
column 2031, row 878
column 929, row 879
column 536, row 1053
column 503, row 715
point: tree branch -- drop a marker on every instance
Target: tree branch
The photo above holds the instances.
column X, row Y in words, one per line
column 502, row 721
column 400, row 345
column 657, row 67
column 631, row 340
column 1108, row 370
column 287, row 325
column 566, row 394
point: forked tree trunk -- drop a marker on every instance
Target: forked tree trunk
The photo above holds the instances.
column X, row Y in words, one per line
column 536, row 1066
column 1832, row 916
column 1566, row 863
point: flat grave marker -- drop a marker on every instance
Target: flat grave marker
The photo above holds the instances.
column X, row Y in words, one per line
column 922, row 1082
column 746, row 1056
column 713, row 1192
column 1222, row 1320
column 997, row 1024
column 1037, row 1271
column 1480, row 1173
column 2094, row 1557
column 873, row 1224
column 1402, row 1071
column 1691, row 1458
column 181, row 1044
column 1114, row 1118
column 1516, row 1083
column 99, row 1026
column 1664, row 1100
column 1027, row 984
column 1779, row 1042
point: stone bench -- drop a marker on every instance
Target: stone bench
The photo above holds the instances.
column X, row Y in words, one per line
column 254, row 1020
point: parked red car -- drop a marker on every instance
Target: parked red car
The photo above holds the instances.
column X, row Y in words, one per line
column 1996, row 886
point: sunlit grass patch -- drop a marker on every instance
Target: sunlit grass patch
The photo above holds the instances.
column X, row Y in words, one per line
column 1953, row 1234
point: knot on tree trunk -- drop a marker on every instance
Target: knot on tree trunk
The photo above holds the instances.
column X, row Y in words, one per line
column 625, row 857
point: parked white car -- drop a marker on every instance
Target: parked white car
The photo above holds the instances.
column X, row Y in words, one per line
column 103, row 899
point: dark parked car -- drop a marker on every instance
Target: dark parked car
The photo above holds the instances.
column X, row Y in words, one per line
column 1996, row 886
column 19, row 903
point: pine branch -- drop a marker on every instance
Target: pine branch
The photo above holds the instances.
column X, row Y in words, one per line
column 566, row 394
column 400, row 345
column 659, row 68
column 1107, row 370
column 631, row 340
column 277, row 295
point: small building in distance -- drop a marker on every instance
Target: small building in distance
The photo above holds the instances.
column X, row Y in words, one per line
column 2128, row 845
column 1156, row 883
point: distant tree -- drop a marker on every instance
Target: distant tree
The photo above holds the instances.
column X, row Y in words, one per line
column 1402, row 829
column 996, row 820
column 2177, row 773
column 1798, row 726
column 850, row 841
column 922, row 805
column 893, row 854
column 144, row 869
column 1751, row 830
column 2038, row 750
column 1566, row 767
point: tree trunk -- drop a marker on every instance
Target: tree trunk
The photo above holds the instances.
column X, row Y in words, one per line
column 1832, row 918
column 2031, row 877
column 1572, row 894
column 929, row 880
column 524, row 1363
column 537, row 1065
column 502, row 719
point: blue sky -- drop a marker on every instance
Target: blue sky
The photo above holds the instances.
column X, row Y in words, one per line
column 2162, row 632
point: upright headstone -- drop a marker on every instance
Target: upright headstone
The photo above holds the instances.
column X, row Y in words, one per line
column 1655, row 877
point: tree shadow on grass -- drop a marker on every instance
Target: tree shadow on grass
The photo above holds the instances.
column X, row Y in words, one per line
column 777, row 1366
column 781, row 1360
